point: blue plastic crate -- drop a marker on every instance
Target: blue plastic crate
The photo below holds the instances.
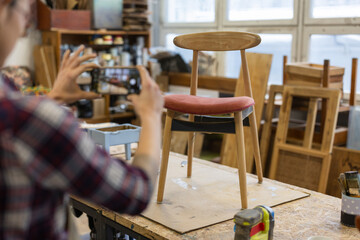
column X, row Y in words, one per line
column 116, row 135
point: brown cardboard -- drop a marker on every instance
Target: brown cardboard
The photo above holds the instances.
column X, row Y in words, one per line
column 210, row 196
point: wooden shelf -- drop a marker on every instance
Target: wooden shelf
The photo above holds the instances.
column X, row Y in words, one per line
column 103, row 46
column 95, row 120
column 122, row 115
column 99, row 32
column 135, row 2
column 56, row 37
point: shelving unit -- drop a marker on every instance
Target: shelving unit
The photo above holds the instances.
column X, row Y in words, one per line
column 59, row 37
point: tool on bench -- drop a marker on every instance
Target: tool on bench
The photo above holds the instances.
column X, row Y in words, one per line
column 254, row 224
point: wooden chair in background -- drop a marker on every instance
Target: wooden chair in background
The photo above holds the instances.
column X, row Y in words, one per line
column 302, row 162
column 198, row 108
column 278, row 90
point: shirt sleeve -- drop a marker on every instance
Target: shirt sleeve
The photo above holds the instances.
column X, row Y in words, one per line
column 59, row 156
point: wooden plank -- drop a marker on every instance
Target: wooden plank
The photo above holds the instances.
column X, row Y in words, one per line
column 259, row 79
column 221, row 84
column 301, row 150
column 40, row 75
column 179, row 143
column 163, row 82
column 310, row 123
column 50, row 59
column 54, row 39
column 45, row 67
column 266, row 128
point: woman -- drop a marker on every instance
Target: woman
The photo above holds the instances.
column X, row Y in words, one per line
column 44, row 155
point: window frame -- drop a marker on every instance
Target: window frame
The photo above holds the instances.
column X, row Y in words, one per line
column 275, row 22
column 165, row 23
column 324, row 30
column 302, row 26
column 309, row 20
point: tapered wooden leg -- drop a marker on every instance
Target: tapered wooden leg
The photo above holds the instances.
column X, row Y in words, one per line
column 255, row 143
column 190, row 153
column 241, row 160
column 191, row 146
column 165, row 156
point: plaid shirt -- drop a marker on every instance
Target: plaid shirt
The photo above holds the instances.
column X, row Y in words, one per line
column 44, row 156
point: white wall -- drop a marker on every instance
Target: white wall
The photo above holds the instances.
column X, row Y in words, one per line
column 22, row 55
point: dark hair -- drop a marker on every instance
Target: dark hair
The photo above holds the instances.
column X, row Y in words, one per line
column 13, row 3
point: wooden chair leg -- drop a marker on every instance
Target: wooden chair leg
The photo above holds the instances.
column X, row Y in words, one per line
column 190, row 153
column 266, row 128
column 255, row 143
column 241, row 160
column 191, row 146
column 165, row 156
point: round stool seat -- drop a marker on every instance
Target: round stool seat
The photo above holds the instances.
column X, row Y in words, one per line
column 206, row 106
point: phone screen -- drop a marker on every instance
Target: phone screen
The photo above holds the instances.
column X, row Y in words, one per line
column 127, row 80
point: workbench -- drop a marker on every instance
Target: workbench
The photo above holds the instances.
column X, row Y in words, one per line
column 316, row 215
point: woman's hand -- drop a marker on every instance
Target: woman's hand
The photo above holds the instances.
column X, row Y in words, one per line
column 149, row 103
column 65, row 89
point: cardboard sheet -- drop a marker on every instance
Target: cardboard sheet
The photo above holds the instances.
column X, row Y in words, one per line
column 210, row 196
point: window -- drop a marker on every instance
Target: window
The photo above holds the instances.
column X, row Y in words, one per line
column 242, row 10
column 335, row 8
column 186, row 11
column 339, row 49
column 305, row 31
column 186, row 54
column 276, row 44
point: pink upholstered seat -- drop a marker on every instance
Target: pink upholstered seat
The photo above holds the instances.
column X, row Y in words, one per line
column 206, row 106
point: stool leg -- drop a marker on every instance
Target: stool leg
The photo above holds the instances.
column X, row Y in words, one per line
column 191, row 146
column 255, row 143
column 190, row 153
column 241, row 159
column 165, row 156
column 128, row 151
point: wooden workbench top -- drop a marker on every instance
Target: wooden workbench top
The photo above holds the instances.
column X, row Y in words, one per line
column 317, row 215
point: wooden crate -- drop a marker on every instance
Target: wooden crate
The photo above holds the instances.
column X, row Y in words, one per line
column 309, row 74
column 48, row 19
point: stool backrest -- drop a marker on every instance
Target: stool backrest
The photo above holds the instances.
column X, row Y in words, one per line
column 218, row 41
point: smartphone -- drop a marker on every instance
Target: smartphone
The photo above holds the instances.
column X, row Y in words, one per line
column 127, row 79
